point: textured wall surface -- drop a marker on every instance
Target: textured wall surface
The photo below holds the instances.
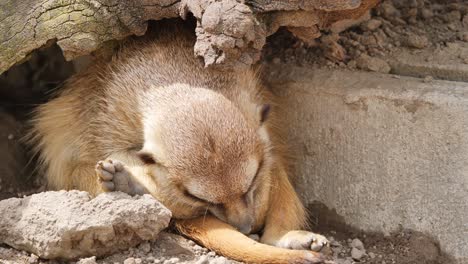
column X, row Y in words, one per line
column 384, row 151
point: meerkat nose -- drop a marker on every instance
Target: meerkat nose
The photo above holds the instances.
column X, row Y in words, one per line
column 245, row 228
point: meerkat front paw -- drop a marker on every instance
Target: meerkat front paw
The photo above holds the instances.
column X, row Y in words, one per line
column 299, row 239
column 112, row 175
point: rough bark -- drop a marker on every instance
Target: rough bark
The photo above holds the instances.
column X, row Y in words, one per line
column 230, row 33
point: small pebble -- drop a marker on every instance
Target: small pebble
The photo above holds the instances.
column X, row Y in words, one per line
column 344, row 261
column 366, row 62
column 220, row 260
column 129, row 261
column 91, row 260
column 145, row 247
column 388, row 10
column 453, row 16
column 427, row 13
column 33, row 259
column 203, row 260
column 372, row 255
column 417, row 41
column 465, row 37
column 428, row 79
column 452, row 27
column 371, row 25
column 174, row 260
column 11, row 137
column 138, row 260
column 357, row 254
column 356, row 243
column 334, row 243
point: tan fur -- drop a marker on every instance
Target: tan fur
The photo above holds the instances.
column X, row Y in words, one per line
column 203, row 129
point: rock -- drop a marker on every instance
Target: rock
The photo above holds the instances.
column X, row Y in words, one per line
column 306, row 34
column 172, row 261
column 220, row 260
column 417, row 41
column 453, row 16
column 380, row 37
column 332, row 49
column 203, row 260
column 145, row 247
column 357, row 254
column 428, row 79
column 464, row 36
column 91, row 260
column 388, row 10
column 342, row 25
column 371, row 25
column 69, row 225
column 465, row 21
column 372, row 255
column 344, row 261
column 33, row 259
column 129, row 261
column 356, row 243
column 412, row 13
column 368, row 40
column 366, row 62
column 427, row 13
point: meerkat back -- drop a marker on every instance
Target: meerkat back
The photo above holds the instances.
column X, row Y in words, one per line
column 102, row 113
column 99, row 111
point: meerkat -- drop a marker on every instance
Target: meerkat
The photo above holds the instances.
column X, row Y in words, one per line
column 154, row 120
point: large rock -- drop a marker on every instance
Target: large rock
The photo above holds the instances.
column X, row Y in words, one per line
column 383, row 152
column 68, row 225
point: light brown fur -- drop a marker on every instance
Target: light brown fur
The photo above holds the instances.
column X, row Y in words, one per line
column 204, row 130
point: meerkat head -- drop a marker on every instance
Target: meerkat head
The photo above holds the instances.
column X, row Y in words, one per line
column 207, row 156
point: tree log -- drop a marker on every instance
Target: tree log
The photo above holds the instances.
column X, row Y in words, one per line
column 229, row 33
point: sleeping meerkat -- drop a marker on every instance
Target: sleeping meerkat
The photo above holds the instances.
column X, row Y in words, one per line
column 154, row 120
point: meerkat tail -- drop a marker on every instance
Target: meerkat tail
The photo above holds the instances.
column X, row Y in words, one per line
column 227, row 241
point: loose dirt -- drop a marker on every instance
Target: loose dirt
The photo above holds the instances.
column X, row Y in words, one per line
column 429, row 32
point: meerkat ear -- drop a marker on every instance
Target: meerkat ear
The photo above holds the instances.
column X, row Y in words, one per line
column 264, row 112
column 146, row 157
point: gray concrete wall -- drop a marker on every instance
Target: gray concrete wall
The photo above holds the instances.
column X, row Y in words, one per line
column 384, row 151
